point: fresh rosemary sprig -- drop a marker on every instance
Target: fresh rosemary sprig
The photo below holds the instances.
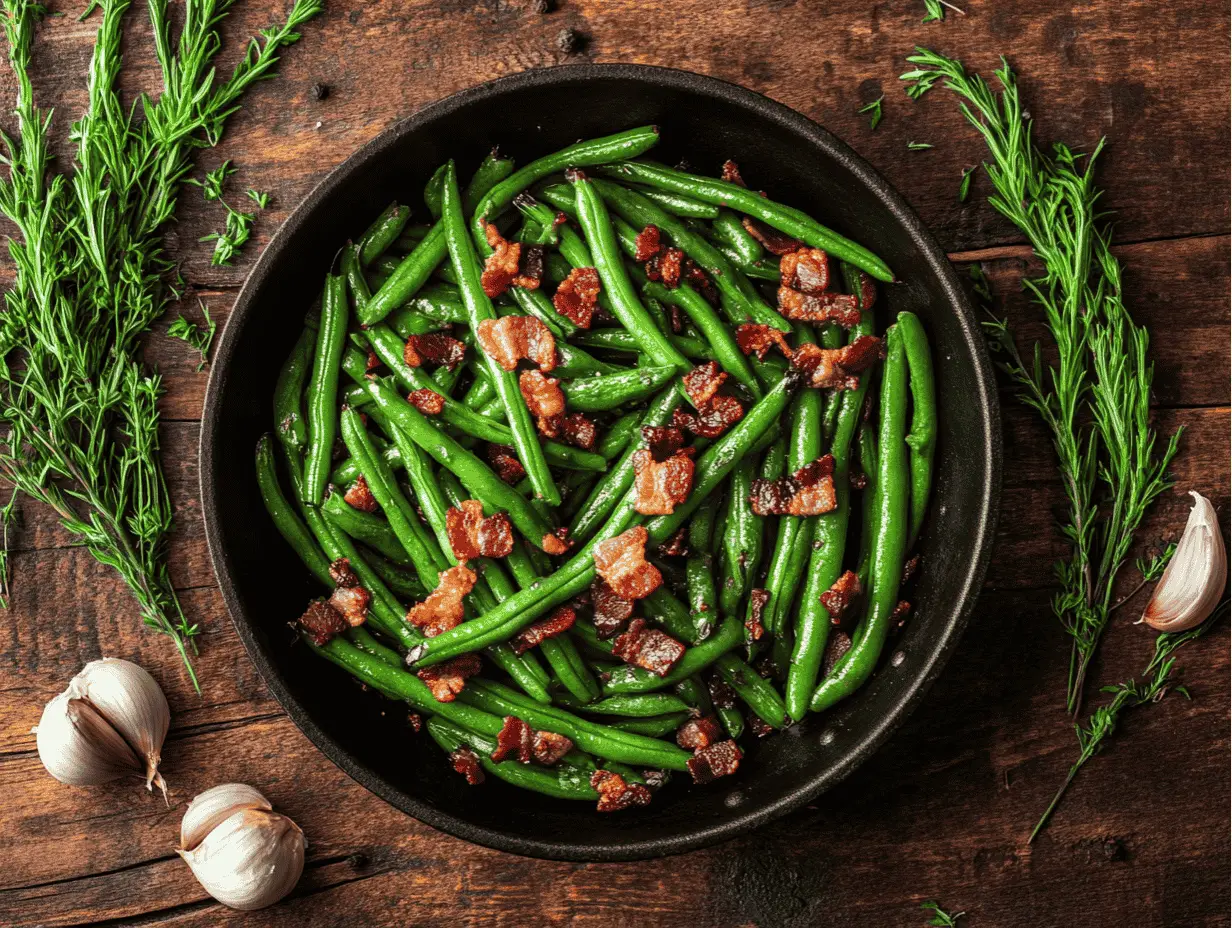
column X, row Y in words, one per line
column 874, row 109
column 1156, row 681
column 78, row 410
column 941, row 918
column 1111, row 467
column 196, row 336
column 964, row 188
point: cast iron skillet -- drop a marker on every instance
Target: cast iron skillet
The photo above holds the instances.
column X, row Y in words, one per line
column 530, row 114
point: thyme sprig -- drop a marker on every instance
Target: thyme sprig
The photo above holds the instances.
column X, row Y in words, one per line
column 874, row 111
column 1111, row 465
column 940, row 917
column 196, row 336
column 78, row 409
column 238, row 228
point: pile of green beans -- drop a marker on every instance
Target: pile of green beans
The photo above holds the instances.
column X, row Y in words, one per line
column 742, row 591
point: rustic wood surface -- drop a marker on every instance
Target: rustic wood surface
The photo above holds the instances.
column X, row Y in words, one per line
column 943, row 810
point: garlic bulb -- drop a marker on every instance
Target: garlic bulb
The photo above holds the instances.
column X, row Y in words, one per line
column 245, row 855
column 1194, row 579
column 109, row 723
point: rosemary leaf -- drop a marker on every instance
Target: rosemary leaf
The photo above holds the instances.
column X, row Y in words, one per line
column 874, row 109
column 196, row 336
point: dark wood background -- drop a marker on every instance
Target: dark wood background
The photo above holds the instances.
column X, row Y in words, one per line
column 944, row 809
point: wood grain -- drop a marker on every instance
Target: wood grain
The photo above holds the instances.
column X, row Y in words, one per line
column 943, row 810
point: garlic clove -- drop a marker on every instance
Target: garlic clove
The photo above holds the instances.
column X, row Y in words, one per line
column 250, row 859
column 131, row 700
column 1194, row 579
column 80, row 747
column 213, row 806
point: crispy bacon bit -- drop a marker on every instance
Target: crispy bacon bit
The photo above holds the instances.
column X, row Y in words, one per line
column 662, row 441
column 510, row 264
column 441, row 350
column 579, row 431
column 701, row 281
column 839, row 308
column 556, row 542
column 655, row 779
column 648, row 243
column 675, row 319
column 806, row 270
column 676, row 546
column 662, row 485
column 549, row 747
column 759, row 339
column 703, row 382
column 511, row 338
column 358, row 496
column 909, row 569
column 838, row 644
column 838, row 368
column 466, row 762
column 898, row 618
column 648, row 648
column 611, row 611
column 447, row 679
column 807, row 492
column 442, row 610
column 372, row 363
column 615, row 794
column 517, row 738
column 621, row 561
column 559, row 219
column 841, row 595
column 427, row 401
column 666, row 266
column 731, row 173
column 321, row 622
column 722, row 696
column 351, row 602
column 699, row 733
column 577, row 296
column 753, row 624
column 416, row 721
column 857, row 480
column 713, row 419
column 472, row 535
column 776, row 242
column 545, row 400
column 717, row 760
column 759, row 727
column 342, row 574
column 505, row 462
column 559, row 622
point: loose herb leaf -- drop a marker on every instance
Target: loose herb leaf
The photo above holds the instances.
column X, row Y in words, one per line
column 211, row 186
column 941, row 918
column 875, row 109
column 936, row 10
column 964, row 188
column 196, row 336
column 918, row 146
column 261, row 199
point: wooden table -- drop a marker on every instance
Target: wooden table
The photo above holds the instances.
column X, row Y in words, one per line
column 943, row 810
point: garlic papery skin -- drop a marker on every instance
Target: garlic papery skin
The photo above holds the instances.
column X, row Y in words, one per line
column 132, row 701
column 250, row 859
column 1194, row 579
column 215, row 805
column 80, row 747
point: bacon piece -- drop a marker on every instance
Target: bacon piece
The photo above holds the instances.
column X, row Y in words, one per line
column 838, row 644
column 559, row 622
column 666, row 266
column 447, row 679
column 321, row 622
column 857, row 480
column 621, row 561
column 759, row 727
column 675, row 319
column 722, row 696
column 466, row 762
column 358, row 496
column 759, row 339
column 775, row 242
column 442, row 350
column 701, row 281
column 472, row 535
column 699, row 733
column 510, row 264
column 577, row 296
column 838, row 368
column 351, row 602
column 648, row 243
column 505, row 462
column 840, row 308
column 841, row 595
column 549, row 747
column 615, row 794
column 530, row 268
column 898, row 618
column 517, row 738
column 808, row 271
column 427, row 401
column 545, row 400
column 342, row 574
column 372, row 363
column 716, row 760
column 807, row 492
column 579, row 431
column 676, row 546
column 662, row 440
column 661, row 486
column 758, row 598
column 556, row 542
column 416, row 721
column 611, row 611
column 703, row 382
column 731, row 173
column 442, row 610
column 511, row 338
column 912, row 565
column 648, row 648
column 713, row 419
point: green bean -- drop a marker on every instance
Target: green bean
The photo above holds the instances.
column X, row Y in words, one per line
column 367, row 527
column 608, row 391
column 889, row 547
column 866, row 443
column 570, row 669
column 619, row 340
column 922, row 439
column 742, row 539
column 677, row 205
column 627, row 680
column 655, row 727
column 728, row 229
column 323, row 389
column 412, row 273
column 289, row 392
column 285, row 518
column 597, row 226
column 480, row 391
column 765, row 269
column 382, row 233
column 479, row 309
column 402, row 581
column 663, row 608
column 786, row 219
column 758, row 694
column 699, row 570
column 638, row 706
column 368, row 643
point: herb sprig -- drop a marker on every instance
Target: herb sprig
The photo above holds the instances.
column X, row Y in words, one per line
column 1112, row 466
column 238, row 228
column 198, row 337
column 874, row 109
column 78, row 410
column 935, row 11
column 940, row 917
